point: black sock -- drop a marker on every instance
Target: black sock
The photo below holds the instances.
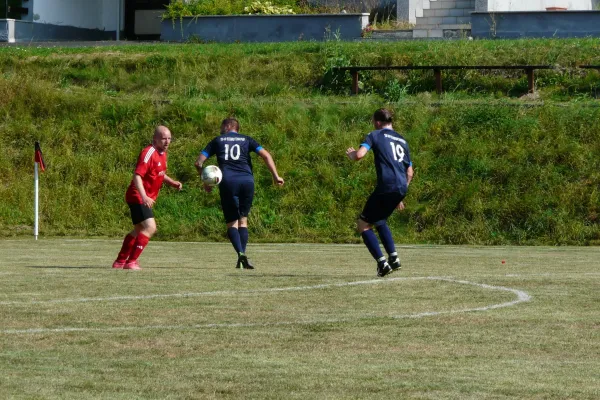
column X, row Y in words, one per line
column 243, row 237
column 234, row 238
column 372, row 244
column 386, row 238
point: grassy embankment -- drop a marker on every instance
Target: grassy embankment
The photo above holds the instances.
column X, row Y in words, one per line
column 490, row 168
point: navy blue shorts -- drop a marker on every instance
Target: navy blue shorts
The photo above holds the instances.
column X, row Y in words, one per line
column 380, row 206
column 140, row 213
column 236, row 199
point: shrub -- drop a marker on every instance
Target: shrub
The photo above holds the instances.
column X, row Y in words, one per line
column 268, row 8
column 178, row 9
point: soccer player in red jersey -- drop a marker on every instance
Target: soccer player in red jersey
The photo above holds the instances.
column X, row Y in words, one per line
column 149, row 175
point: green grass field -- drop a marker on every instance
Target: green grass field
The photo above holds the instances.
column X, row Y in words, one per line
column 311, row 322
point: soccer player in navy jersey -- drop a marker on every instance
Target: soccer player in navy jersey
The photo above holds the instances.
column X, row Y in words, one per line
column 237, row 187
column 394, row 173
column 148, row 177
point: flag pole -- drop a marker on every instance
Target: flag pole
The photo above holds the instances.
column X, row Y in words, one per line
column 36, row 202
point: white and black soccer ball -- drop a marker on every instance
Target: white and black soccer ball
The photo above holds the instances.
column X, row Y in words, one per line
column 212, row 175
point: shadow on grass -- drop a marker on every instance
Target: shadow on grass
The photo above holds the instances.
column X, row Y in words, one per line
column 105, row 267
column 295, row 276
column 66, row 266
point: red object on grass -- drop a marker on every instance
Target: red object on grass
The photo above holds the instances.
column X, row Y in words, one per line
column 39, row 157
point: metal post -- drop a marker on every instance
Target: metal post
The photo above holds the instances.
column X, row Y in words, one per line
column 118, row 20
column 530, row 80
column 35, row 201
column 438, row 80
column 354, row 82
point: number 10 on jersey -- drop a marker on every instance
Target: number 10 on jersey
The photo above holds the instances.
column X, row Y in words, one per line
column 234, row 152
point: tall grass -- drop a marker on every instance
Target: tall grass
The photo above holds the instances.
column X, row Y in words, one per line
column 493, row 171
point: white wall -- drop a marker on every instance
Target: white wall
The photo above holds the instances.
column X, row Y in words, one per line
column 537, row 5
column 110, row 15
column 91, row 14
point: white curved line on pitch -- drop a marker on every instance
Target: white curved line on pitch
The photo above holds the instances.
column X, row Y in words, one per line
column 521, row 297
column 212, row 293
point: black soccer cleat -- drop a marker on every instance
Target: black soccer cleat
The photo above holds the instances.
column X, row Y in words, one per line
column 394, row 263
column 243, row 262
column 383, row 268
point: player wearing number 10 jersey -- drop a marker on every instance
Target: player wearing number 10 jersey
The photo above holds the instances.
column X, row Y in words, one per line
column 394, row 173
column 237, row 187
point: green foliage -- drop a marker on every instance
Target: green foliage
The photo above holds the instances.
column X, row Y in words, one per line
column 268, row 8
column 178, row 9
column 333, row 55
column 395, row 90
column 488, row 170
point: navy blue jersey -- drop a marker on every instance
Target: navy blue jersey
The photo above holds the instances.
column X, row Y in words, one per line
column 392, row 159
column 233, row 155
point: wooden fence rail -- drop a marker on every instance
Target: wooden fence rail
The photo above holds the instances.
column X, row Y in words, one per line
column 437, row 71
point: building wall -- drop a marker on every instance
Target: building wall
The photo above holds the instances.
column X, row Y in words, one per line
column 409, row 10
column 535, row 24
column 534, row 5
column 89, row 14
column 265, row 28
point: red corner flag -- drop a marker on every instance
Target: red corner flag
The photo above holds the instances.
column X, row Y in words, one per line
column 38, row 156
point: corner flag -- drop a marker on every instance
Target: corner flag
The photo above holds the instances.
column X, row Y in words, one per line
column 39, row 160
column 38, row 156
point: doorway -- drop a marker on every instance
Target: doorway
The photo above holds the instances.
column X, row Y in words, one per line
column 143, row 19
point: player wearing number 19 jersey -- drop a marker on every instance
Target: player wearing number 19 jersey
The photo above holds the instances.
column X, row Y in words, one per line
column 233, row 150
column 394, row 173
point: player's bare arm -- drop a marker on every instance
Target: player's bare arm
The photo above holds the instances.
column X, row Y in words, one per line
column 356, row 155
column 139, row 185
column 409, row 175
column 199, row 164
column 173, row 183
column 266, row 156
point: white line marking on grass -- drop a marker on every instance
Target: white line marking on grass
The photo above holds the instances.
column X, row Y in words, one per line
column 521, row 297
column 212, row 293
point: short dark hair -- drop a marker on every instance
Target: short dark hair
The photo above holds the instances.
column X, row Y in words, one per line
column 383, row 115
column 229, row 124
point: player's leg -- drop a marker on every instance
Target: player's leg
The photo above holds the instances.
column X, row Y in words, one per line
column 144, row 228
column 391, row 201
column 229, row 205
column 373, row 212
column 234, row 236
column 138, row 214
column 385, row 235
column 126, row 247
column 245, row 196
column 243, row 261
column 243, row 230
column 370, row 240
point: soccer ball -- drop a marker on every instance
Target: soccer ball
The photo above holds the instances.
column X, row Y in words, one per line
column 212, row 175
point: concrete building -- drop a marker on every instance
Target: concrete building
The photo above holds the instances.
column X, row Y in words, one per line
column 40, row 20
column 438, row 18
column 531, row 19
column 429, row 12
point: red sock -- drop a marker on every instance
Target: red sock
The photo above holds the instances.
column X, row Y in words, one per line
column 126, row 248
column 140, row 243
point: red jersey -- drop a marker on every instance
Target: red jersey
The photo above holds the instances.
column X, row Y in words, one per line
column 152, row 167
